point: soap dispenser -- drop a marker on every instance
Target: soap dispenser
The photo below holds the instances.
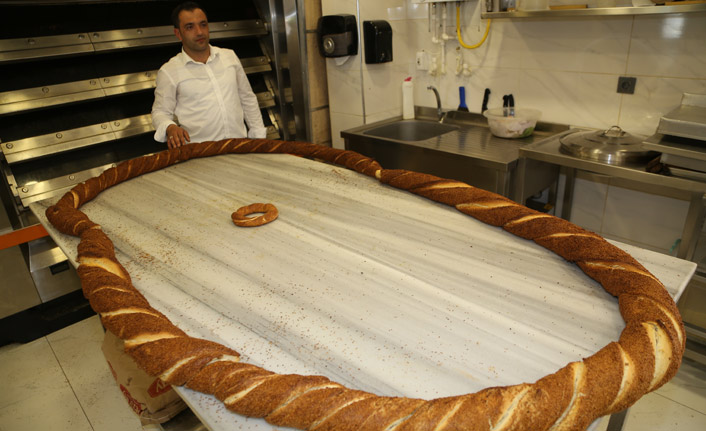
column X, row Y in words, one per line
column 337, row 35
column 378, row 41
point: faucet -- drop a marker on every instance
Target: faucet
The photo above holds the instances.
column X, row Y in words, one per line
column 439, row 112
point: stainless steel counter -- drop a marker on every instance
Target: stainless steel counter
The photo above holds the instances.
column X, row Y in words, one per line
column 540, row 166
column 541, row 162
column 470, row 154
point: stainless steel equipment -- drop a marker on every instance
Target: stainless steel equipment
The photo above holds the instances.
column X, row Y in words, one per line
column 613, row 146
column 76, row 96
column 688, row 120
column 681, row 140
column 462, row 148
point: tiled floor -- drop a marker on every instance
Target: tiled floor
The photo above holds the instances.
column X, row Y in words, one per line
column 61, row 382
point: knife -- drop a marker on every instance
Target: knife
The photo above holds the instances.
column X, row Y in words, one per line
column 486, row 96
column 511, row 104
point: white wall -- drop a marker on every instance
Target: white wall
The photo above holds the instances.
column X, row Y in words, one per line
column 566, row 67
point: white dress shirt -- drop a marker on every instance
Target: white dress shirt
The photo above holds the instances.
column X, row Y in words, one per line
column 210, row 101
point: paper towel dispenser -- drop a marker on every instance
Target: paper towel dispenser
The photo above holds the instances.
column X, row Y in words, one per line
column 338, row 35
column 378, row 41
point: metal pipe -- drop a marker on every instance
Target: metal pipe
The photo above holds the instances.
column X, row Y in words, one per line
column 439, row 112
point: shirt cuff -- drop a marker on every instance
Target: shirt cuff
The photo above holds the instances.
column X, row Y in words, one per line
column 257, row 133
column 160, row 134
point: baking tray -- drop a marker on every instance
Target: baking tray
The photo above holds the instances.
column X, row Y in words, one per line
column 682, row 147
column 688, row 120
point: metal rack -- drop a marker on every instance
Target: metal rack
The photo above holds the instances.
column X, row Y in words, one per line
column 606, row 11
column 76, row 96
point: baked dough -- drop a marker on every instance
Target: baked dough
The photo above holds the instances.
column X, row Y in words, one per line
column 240, row 217
column 645, row 357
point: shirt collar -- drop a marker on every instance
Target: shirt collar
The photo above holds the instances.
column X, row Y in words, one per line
column 215, row 52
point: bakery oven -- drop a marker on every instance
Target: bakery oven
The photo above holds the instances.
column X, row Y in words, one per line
column 75, row 99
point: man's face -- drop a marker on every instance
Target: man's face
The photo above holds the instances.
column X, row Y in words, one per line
column 193, row 30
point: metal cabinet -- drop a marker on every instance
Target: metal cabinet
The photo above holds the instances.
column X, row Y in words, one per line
column 76, row 97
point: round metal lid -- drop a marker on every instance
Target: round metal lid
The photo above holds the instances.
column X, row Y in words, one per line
column 613, row 146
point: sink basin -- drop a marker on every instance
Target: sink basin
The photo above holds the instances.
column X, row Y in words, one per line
column 411, row 130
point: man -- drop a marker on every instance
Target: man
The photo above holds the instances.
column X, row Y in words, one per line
column 202, row 93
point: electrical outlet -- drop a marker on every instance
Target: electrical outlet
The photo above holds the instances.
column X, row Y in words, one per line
column 422, row 60
column 626, row 85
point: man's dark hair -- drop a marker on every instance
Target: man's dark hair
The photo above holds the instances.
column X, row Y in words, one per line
column 187, row 5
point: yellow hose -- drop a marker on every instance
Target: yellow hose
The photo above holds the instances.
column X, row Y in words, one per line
column 458, row 30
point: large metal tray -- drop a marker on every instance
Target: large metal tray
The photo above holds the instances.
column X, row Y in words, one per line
column 688, row 120
column 688, row 148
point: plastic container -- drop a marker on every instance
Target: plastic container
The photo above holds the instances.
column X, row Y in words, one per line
column 407, row 99
column 519, row 126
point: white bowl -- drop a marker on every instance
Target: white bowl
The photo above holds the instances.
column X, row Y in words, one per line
column 519, row 126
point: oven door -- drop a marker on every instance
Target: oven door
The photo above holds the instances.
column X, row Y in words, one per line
column 75, row 99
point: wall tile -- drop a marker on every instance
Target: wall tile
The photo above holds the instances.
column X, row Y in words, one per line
column 382, row 83
column 579, row 99
column 332, row 7
column 383, row 90
column 501, row 81
column 419, row 37
column 504, row 46
column 567, row 68
column 388, row 10
column 417, row 10
column 672, row 45
column 589, row 202
column 383, row 87
column 403, row 52
column 382, row 115
column 351, row 63
column 644, row 218
column 654, row 97
column 340, row 122
column 344, row 87
column 598, row 45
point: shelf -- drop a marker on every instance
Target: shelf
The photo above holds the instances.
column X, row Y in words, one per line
column 22, row 49
column 606, row 11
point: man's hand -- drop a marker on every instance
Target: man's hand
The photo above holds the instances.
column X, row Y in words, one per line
column 176, row 136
